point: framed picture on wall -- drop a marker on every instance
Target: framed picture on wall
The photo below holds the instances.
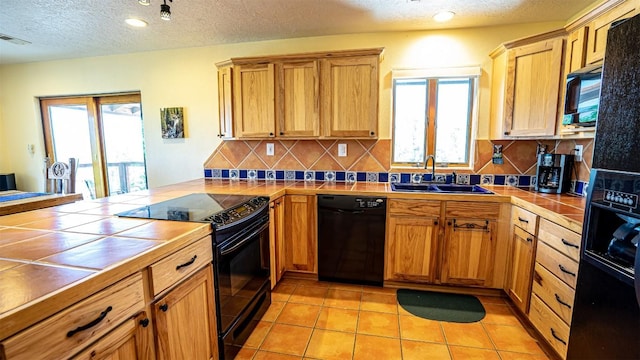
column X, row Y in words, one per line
column 172, row 122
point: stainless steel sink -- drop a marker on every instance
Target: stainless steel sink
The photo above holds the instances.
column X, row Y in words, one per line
column 439, row 188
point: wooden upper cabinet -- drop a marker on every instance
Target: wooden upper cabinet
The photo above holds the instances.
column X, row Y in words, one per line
column 253, row 96
column 598, row 28
column 310, row 95
column 297, row 99
column 225, row 102
column 575, row 54
column 525, row 87
column 349, row 91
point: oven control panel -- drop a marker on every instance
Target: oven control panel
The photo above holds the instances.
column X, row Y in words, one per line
column 621, row 198
column 238, row 212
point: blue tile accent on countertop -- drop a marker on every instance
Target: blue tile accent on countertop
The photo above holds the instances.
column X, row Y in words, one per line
column 299, row 175
column 383, row 177
column 474, row 179
column 261, row 174
column 498, row 180
column 319, row 175
column 340, row 176
column 225, row 173
column 208, row 173
column 279, row 174
column 361, row 176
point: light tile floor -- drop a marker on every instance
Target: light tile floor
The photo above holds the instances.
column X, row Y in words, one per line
column 320, row 320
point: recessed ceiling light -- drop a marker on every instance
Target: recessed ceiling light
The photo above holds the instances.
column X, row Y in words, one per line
column 443, row 16
column 136, row 22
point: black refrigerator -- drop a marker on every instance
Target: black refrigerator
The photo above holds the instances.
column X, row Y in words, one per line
column 606, row 310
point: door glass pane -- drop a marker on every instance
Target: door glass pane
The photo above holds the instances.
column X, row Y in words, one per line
column 71, row 139
column 452, row 120
column 410, row 108
column 124, row 147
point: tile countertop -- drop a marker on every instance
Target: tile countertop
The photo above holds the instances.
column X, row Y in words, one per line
column 51, row 258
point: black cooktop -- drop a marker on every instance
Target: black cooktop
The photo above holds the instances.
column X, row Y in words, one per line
column 200, row 208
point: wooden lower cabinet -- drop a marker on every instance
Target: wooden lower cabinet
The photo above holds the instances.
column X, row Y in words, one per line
column 518, row 288
column 411, row 249
column 413, row 229
column 301, row 235
column 185, row 320
column 276, row 240
column 468, row 252
column 133, row 340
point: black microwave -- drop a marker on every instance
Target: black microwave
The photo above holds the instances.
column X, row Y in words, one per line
column 583, row 96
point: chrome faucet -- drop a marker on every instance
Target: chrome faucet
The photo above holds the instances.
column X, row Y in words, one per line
column 433, row 166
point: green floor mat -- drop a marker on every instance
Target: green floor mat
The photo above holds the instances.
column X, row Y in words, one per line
column 441, row 306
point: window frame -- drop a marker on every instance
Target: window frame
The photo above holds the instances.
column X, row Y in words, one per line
column 432, row 76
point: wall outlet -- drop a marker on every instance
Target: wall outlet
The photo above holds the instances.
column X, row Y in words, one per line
column 270, row 149
column 342, row 150
column 578, row 152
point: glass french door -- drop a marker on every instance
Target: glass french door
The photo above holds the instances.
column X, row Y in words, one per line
column 105, row 134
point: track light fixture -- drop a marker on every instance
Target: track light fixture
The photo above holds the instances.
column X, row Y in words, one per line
column 165, row 10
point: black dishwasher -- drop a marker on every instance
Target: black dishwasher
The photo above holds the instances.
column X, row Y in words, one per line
column 351, row 232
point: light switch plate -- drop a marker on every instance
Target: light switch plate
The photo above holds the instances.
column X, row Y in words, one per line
column 342, row 150
column 578, row 152
column 270, row 149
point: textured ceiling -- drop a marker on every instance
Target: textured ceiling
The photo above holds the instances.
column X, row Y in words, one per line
column 65, row 29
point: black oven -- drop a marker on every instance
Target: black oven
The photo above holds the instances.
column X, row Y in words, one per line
column 241, row 261
column 240, row 236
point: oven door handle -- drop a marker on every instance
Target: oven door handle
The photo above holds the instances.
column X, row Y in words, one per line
column 244, row 240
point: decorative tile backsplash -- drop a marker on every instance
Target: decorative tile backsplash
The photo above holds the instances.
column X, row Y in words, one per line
column 370, row 161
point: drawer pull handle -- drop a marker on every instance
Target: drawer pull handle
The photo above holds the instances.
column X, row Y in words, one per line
column 553, row 333
column 529, row 239
column 164, row 307
column 570, row 244
column 558, row 299
column 193, row 259
column 470, row 226
column 564, row 270
column 144, row 322
column 523, row 220
column 91, row 324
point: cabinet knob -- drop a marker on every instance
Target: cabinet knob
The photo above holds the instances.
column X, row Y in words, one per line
column 144, row 322
column 435, row 222
column 270, row 134
column 373, row 133
column 164, row 307
column 507, row 132
column 529, row 239
column 281, row 132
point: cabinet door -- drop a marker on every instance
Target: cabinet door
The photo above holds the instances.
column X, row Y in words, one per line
column 598, row 28
column 225, row 102
column 412, row 248
column 576, row 50
column 522, row 255
column 297, row 99
column 185, row 320
column 133, row 340
column 276, row 240
column 301, row 236
column 349, row 96
column 468, row 252
column 253, row 89
column 532, row 87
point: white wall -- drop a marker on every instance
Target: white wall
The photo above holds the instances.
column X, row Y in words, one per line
column 187, row 78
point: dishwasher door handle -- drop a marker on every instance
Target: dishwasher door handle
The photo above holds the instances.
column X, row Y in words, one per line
column 341, row 211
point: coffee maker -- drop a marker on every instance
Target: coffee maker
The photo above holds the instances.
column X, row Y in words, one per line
column 553, row 173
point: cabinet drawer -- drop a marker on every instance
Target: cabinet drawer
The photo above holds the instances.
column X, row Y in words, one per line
column 414, row 207
column 70, row 330
column 554, row 330
column 524, row 219
column 560, row 238
column 180, row 264
column 560, row 265
column 555, row 293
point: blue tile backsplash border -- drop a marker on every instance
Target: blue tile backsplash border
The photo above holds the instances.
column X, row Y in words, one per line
column 577, row 187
